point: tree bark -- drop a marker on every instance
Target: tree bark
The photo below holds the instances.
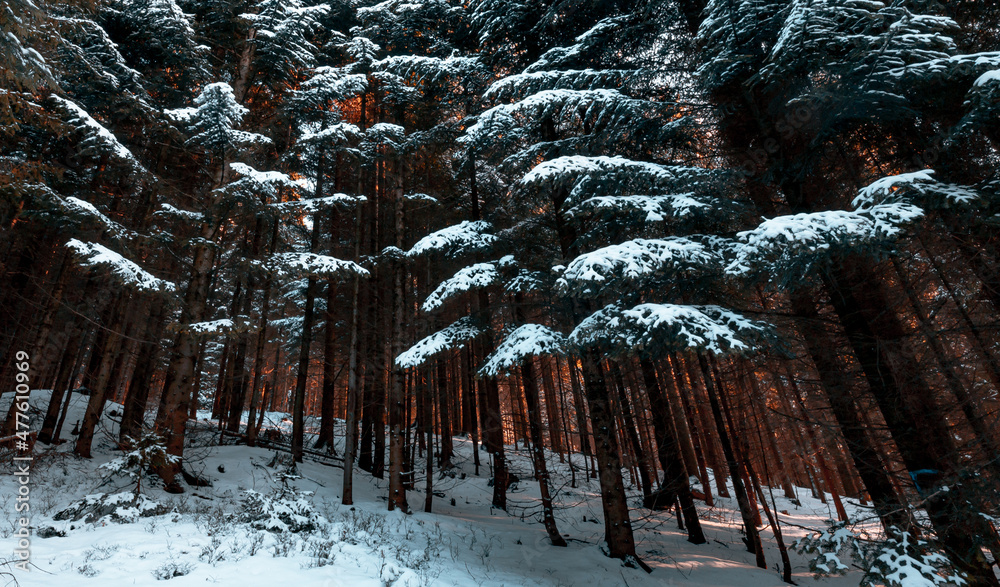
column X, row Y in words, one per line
column 752, row 536
column 617, row 525
column 530, row 383
column 173, row 416
column 675, row 480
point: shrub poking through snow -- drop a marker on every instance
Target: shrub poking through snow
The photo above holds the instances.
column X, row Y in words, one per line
column 148, row 451
column 897, row 560
column 171, row 569
column 285, row 511
column 120, row 508
column 904, row 561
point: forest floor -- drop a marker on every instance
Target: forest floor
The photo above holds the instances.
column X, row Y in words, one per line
column 215, row 534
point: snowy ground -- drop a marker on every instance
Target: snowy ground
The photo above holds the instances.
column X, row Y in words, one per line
column 464, row 542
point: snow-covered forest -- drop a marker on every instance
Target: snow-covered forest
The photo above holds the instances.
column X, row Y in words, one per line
column 500, row 292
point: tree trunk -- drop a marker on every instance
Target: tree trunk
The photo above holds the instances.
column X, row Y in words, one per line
column 617, row 525
column 427, row 418
column 530, row 382
column 397, row 398
column 109, row 350
column 629, row 426
column 63, row 384
column 134, row 412
column 259, row 356
column 172, row 418
column 552, row 411
column 355, row 374
column 675, row 480
column 688, row 415
column 444, row 415
column 752, row 536
column 913, row 418
column 328, row 402
column 814, row 444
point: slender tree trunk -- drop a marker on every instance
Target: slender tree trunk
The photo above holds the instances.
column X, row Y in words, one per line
column 815, row 446
column 328, row 404
column 98, row 395
column 329, row 398
column 134, row 412
column 913, row 418
column 63, row 385
column 530, row 382
column 629, row 428
column 982, row 346
column 444, row 415
column 354, row 367
column 677, row 384
column 239, row 373
column 707, row 425
column 617, row 525
column 172, row 418
column 580, row 408
column 984, row 436
column 397, row 398
column 41, row 337
column 837, row 385
column 675, row 480
column 752, row 536
column 772, row 519
column 259, row 359
column 427, row 417
column 552, row 411
column 69, row 390
column 473, row 408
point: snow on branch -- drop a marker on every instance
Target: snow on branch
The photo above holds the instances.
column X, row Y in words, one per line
column 585, row 176
column 214, row 118
column 464, row 237
column 420, row 198
column 252, row 186
column 328, row 83
column 313, row 265
column 168, row 210
column 384, row 134
column 794, row 243
column 224, row 327
column 128, row 272
column 96, row 136
column 271, row 179
column 430, row 70
column 982, row 102
column 335, row 134
column 452, row 336
column 654, row 208
column 341, row 133
column 658, row 328
column 600, row 106
column 83, row 209
column 317, row 204
column 631, row 261
column 516, row 87
column 572, row 168
column 524, row 282
column 468, row 278
column 526, row 341
column 901, row 188
column 946, row 67
column 595, row 36
column 211, row 327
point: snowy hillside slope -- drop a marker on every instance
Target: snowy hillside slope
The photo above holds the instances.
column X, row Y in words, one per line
column 208, row 535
